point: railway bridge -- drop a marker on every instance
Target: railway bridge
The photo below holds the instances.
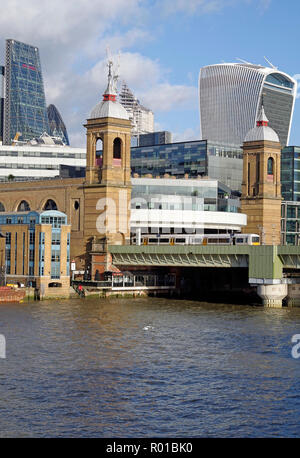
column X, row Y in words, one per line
column 274, row 270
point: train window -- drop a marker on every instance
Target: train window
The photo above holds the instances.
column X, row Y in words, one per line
column 239, row 240
column 179, row 240
column 255, row 239
column 152, row 240
column 198, row 240
column 164, row 241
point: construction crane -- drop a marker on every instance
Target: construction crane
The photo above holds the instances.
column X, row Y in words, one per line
column 18, row 134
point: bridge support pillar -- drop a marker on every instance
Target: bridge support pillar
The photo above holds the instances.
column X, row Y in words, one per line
column 293, row 298
column 272, row 294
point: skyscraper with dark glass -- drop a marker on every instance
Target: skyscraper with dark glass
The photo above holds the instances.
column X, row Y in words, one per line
column 56, row 124
column 25, row 112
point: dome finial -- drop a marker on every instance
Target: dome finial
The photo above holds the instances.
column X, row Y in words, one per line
column 262, row 119
column 262, row 131
column 112, row 77
column 109, row 107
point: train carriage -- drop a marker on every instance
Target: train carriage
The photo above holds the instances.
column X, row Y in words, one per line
column 196, row 239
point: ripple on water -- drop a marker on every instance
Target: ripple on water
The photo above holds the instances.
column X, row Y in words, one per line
column 148, row 367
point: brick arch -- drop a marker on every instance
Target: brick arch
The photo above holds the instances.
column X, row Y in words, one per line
column 45, row 200
column 2, row 207
column 19, row 201
column 50, row 202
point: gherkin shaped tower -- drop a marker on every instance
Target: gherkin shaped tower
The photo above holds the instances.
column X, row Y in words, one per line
column 56, row 124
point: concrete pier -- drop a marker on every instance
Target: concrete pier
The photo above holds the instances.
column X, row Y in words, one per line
column 293, row 299
column 273, row 294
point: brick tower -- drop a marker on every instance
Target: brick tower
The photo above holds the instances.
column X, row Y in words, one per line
column 261, row 189
column 107, row 187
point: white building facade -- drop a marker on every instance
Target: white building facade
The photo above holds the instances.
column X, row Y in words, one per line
column 167, row 205
column 21, row 162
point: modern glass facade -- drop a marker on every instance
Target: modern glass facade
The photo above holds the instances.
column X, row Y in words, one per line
column 290, row 173
column 170, row 194
column 25, row 113
column 195, row 158
column 56, row 124
column 231, row 95
column 290, row 223
column 155, row 138
column 290, row 190
column 168, row 206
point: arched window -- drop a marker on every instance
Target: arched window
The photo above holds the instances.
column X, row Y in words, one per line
column 99, row 152
column 50, row 205
column 117, row 148
column 248, row 178
column 2, row 208
column 270, row 166
column 23, row 206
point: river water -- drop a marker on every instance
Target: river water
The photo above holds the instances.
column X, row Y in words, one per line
column 148, row 368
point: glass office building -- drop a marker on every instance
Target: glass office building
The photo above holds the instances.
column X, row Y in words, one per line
column 170, row 194
column 231, row 95
column 155, row 138
column 290, row 173
column 168, row 206
column 194, row 158
column 290, row 223
column 56, row 124
column 25, row 112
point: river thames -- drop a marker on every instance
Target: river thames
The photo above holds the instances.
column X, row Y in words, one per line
column 148, row 368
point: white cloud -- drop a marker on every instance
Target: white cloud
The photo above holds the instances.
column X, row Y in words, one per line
column 66, row 30
column 77, row 94
column 137, row 70
column 166, row 97
column 205, row 6
column 261, row 5
column 264, row 5
column 192, row 6
column 72, row 37
column 188, row 134
column 133, row 37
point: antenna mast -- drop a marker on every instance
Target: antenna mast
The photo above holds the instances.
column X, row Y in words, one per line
column 243, row 61
column 270, row 63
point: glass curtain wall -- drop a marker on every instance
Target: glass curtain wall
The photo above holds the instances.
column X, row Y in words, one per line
column 25, row 113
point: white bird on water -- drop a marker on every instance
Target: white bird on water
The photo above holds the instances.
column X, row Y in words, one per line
column 148, row 328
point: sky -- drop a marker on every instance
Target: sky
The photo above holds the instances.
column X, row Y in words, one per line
column 162, row 45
